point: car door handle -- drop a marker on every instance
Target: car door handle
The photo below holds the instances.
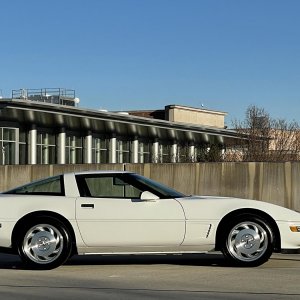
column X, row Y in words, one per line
column 88, row 205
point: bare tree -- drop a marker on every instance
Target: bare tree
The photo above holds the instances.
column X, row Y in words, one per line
column 265, row 139
column 284, row 142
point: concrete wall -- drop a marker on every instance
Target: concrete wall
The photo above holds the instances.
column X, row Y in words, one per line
column 271, row 182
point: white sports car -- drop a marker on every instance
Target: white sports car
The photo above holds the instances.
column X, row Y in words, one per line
column 47, row 221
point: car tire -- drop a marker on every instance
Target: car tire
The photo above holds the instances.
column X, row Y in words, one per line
column 44, row 243
column 247, row 241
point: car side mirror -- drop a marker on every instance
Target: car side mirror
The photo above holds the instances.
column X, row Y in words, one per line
column 148, row 196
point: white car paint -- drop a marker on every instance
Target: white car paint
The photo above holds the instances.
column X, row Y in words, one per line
column 126, row 223
column 110, row 225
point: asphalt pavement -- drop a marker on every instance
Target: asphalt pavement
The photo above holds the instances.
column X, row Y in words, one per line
column 201, row 276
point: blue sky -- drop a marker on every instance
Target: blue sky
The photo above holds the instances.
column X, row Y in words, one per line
column 145, row 54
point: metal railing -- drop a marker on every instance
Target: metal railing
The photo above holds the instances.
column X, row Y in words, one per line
column 59, row 96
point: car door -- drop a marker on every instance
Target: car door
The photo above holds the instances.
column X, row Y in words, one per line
column 110, row 213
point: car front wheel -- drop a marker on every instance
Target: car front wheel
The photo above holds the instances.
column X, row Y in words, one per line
column 247, row 241
column 44, row 244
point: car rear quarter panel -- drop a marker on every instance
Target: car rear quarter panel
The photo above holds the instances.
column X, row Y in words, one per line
column 15, row 207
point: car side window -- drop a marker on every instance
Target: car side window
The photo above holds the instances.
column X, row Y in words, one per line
column 107, row 186
column 52, row 186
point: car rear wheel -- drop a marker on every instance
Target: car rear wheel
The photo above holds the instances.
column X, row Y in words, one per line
column 248, row 241
column 44, row 244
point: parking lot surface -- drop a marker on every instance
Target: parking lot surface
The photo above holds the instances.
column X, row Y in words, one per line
column 204, row 276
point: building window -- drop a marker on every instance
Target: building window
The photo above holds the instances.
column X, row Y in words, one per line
column 46, row 148
column 165, row 153
column 8, row 145
column 23, row 154
column 144, row 152
column 100, row 150
column 183, row 153
column 123, row 151
column 74, row 149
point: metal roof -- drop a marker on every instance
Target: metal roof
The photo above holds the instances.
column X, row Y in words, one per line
column 102, row 122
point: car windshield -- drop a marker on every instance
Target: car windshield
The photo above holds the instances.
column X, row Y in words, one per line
column 49, row 186
column 152, row 186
